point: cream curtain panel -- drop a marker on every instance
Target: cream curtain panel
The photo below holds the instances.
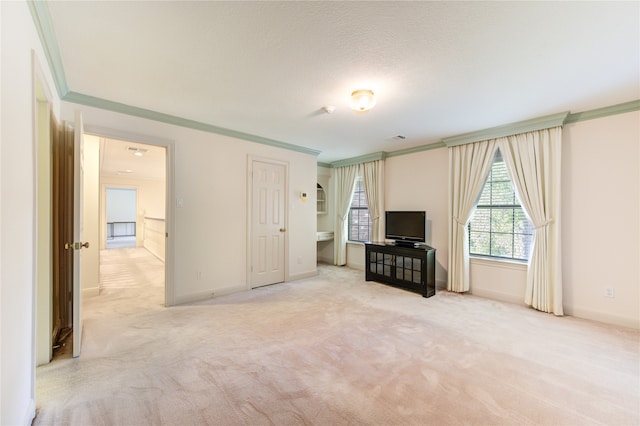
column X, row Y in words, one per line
column 533, row 160
column 373, row 176
column 469, row 167
column 345, row 180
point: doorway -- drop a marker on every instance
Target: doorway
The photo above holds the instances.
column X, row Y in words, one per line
column 153, row 214
column 133, row 194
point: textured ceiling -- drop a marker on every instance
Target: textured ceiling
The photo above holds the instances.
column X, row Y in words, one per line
column 438, row 68
column 117, row 159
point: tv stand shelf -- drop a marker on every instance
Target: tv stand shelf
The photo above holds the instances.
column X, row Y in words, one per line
column 411, row 268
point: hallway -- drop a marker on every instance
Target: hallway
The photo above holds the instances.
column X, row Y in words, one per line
column 135, row 269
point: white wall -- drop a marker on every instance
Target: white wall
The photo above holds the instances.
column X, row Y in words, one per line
column 17, row 220
column 420, row 182
column 601, row 218
column 417, row 182
column 600, row 223
column 211, row 227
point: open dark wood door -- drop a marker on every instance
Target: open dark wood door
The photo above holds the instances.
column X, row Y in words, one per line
column 67, row 179
column 62, row 227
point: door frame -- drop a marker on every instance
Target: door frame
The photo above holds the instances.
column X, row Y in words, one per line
column 251, row 159
column 42, row 99
column 78, row 231
column 169, row 145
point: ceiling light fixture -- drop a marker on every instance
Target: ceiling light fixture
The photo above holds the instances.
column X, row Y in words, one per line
column 362, row 100
column 138, row 152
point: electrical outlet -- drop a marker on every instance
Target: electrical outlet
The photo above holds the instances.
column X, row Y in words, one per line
column 610, row 292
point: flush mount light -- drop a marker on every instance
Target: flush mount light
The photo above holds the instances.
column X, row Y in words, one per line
column 362, row 100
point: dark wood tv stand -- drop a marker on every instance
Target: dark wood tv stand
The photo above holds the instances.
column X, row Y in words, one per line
column 411, row 268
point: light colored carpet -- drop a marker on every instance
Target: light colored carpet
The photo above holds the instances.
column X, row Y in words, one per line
column 334, row 350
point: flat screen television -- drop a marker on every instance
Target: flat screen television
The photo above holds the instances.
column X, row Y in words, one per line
column 405, row 227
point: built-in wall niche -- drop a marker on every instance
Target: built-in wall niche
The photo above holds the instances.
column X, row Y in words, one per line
column 322, row 199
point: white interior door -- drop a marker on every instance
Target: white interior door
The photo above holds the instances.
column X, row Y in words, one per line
column 78, row 179
column 268, row 228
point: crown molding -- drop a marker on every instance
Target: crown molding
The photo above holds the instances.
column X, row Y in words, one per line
column 382, row 155
column 415, row 149
column 514, row 128
column 105, row 104
column 42, row 20
column 603, row 112
column 44, row 27
column 539, row 123
column 360, row 159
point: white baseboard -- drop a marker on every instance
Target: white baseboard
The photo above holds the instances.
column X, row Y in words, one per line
column 495, row 295
column 153, row 252
column 302, row 275
column 205, row 295
column 602, row 317
column 91, row 292
column 357, row 266
column 30, row 414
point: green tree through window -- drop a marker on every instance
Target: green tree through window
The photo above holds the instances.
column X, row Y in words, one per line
column 359, row 220
column 499, row 227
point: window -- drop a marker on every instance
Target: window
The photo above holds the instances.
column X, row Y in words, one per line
column 499, row 227
column 359, row 220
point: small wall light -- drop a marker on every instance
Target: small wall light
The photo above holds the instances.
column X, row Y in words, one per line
column 303, row 197
column 363, row 100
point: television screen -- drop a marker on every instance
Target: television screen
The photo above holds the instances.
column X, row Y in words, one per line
column 406, row 226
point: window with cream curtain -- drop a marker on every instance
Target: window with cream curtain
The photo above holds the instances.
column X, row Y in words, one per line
column 499, row 226
column 359, row 218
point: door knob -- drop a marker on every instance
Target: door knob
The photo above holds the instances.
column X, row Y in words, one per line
column 76, row 246
column 282, row 229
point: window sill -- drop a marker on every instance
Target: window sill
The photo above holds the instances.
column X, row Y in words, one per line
column 498, row 263
column 356, row 243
